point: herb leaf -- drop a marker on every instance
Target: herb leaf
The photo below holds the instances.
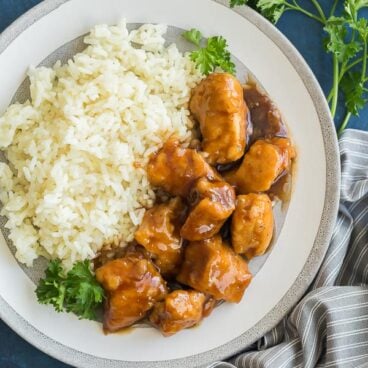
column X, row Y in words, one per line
column 51, row 289
column 272, row 9
column 237, row 3
column 214, row 55
column 352, row 7
column 193, row 36
column 353, row 90
column 336, row 42
column 77, row 291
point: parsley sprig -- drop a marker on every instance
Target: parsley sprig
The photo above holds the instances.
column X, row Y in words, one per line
column 76, row 291
column 346, row 41
column 214, row 55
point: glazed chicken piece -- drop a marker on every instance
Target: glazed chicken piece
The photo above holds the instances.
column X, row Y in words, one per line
column 252, row 224
column 133, row 286
column 180, row 309
column 159, row 233
column 212, row 267
column 265, row 116
column 175, row 169
column 218, row 104
column 262, row 165
column 212, row 203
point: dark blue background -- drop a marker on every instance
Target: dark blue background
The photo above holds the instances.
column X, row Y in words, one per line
column 305, row 34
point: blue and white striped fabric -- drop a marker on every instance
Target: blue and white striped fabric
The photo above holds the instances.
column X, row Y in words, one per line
column 329, row 326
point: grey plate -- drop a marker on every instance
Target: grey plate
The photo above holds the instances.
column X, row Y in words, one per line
column 76, row 358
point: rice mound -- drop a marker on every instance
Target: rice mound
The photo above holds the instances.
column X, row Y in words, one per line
column 77, row 151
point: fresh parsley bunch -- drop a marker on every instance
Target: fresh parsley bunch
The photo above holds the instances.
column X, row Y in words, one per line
column 214, row 55
column 346, row 40
column 76, row 291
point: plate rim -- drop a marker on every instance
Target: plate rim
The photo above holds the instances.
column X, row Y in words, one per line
column 76, row 358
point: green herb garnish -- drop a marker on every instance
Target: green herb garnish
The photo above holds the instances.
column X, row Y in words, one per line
column 76, row 291
column 214, row 55
column 193, row 36
column 346, row 41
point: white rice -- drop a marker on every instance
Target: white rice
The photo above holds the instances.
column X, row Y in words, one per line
column 77, row 151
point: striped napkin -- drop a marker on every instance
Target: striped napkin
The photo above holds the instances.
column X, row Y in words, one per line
column 329, row 326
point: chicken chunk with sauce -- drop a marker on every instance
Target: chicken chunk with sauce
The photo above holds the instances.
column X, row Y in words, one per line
column 218, row 104
column 212, row 203
column 262, row 165
column 159, row 233
column 133, row 287
column 175, row 169
column 180, row 309
column 212, row 267
column 252, row 224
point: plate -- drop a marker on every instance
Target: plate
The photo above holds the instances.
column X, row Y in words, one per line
column 302, row 242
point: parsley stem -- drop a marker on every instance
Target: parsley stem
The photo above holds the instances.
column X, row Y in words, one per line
column 344, row 123
column 302, row 10
column 343, row 70
column 319, row 10
column 329, row 98
column 364, row 67
column 335, row 86
column 333, row 9
column 354, row 63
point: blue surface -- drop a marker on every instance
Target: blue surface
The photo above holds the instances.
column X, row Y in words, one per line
column 305, row 34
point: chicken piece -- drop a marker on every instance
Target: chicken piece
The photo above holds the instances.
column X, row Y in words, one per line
column 252, row 224
column 180, row 309
column 212, row 203
column 175, row 169
column 265, row 116
column 133, row 286
column 159, row 233
column 218, row 104
column 262, row 165
column 212, row 267
column 286, row 147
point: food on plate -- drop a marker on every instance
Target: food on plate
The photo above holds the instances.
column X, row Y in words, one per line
column 252, row 224
column 217, row 103
column 212, row 267
column 159, row 233
column 175, row 168
column 77, row 150
column 145, row 175
column 133, row 286
column 180, row 309
column 262, row 165
column 212, row 203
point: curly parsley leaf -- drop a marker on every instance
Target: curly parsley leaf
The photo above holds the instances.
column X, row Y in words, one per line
column 234, row 3
column 353, row 90
column 51, row 289
column 214, row 55
column 76, row 291
column 352, row 7
column 361, row 26
column 336, row 41
column 272, row 9
column 194, row 36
